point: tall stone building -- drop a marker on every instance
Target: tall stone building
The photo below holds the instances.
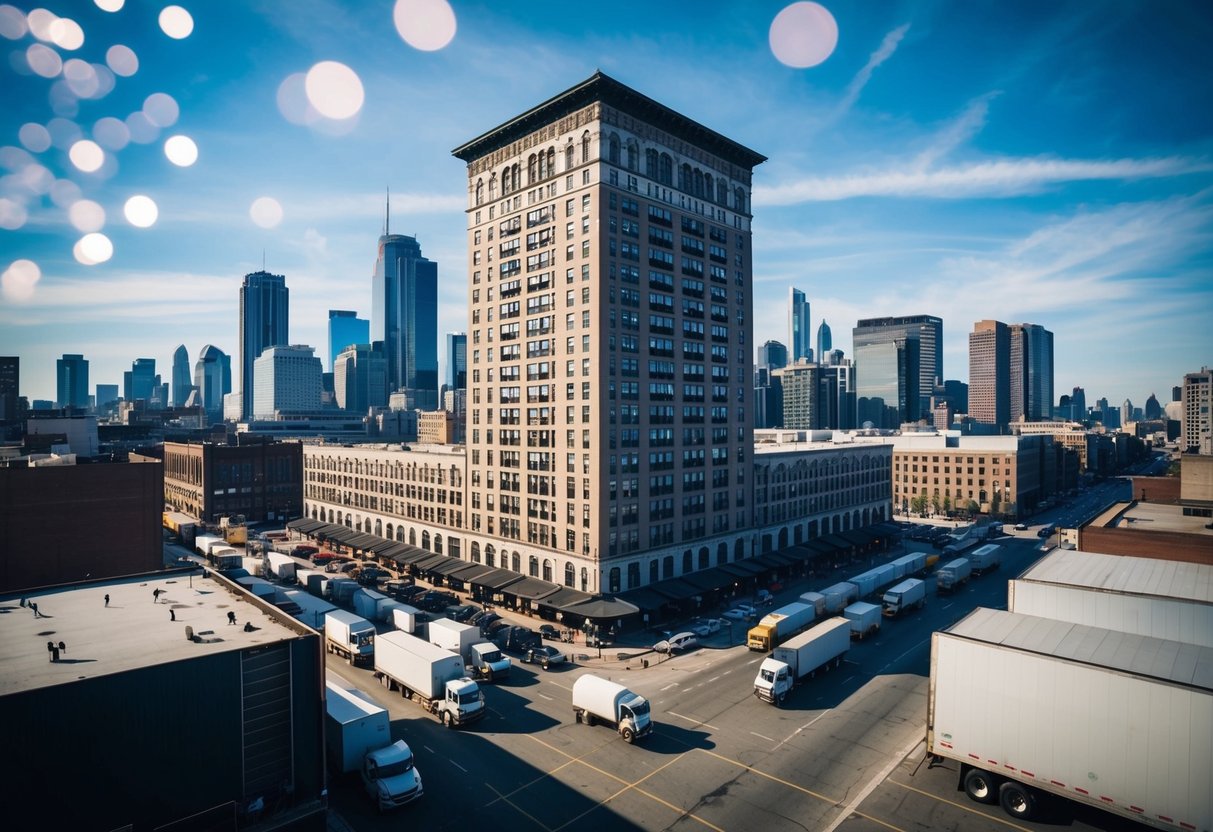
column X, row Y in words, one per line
column 610, row 341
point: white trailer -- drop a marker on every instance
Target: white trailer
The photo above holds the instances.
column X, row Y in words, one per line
column 311, row 609
column 453, row 636
column 406, row 618
column 953, row 575
column 839, row 595
column 985, row 559
column 801, row 657
column 600, row 700
column 910, row 594
column 253, row 565
column 349, row 636
column 1117, row 721
column 367, row 603
column 430, row 676
column 318, row 584
column 816, row 600
column 281, row 566
column 866, row 582
column 910, row 565
column 1160, row 598
column 864, row 618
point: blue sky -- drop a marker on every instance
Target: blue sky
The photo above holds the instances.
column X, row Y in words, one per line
column 1047, row 162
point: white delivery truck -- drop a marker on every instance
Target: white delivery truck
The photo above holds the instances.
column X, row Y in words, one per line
column 953, row 575
column 600, row 700
column 839, row 595
column 864, row 618
column 318, row 584
column 910, row 594
column 311, row 610
column 865, row 582
column 1118, row 721
column 350, row 636
column 407, row 619
column 816, row 600
column 801, row 657
column 910, row 564
column 281, row 566
column 780, row 625
column 484, row 658
column 985, row 559
column 430, row 676
column 358, row 737
column 367, row 603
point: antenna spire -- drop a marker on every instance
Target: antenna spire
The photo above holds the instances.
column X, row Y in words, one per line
column 387, row 216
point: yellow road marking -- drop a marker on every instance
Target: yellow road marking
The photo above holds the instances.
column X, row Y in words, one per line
column 520, row 810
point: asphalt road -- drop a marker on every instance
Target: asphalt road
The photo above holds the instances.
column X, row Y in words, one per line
column 842, row 754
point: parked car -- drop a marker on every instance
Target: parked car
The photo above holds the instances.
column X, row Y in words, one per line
column 741, row 612
column 462, row 613
column 545, row 656
column 1047, row 531
column 373, row 575
column 515, row 639
column 406, row 594
column 677, row 643
column 304, row 550
column 434, row 600
column 1021, row 527
column 549, row 632
column 706, row 627
column 485, row 622
column 763, row 598
column 494, row 627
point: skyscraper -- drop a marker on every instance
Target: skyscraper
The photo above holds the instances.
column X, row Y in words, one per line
column 456, row 361
column 1196, row 428
column 825, row 343
column 404, row 316
column 772, row 355
column 1078, row 402
column 71, row 377
column 181, row 376
column 1030, row 372
column 799, row 328
column 10, row 386
column 914, row 366
column 990, row 373
column 264, row 322
column 1152, row 409
column 360, row 378
column 345, row 328
column 604, row 435
column 212, row 379
column 141, row 382
column 288, row 380
column 107, row 397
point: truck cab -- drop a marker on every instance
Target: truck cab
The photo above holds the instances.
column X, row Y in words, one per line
column 488, row 662
column 464, row 703
column 774, row 680
column 390, row 777
column 596, row 699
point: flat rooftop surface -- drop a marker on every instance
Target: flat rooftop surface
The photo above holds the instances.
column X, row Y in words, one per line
column 1123, row 573
column 1153, row 517
column 132, row 631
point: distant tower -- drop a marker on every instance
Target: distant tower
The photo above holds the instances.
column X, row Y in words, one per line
column 71, row 376
column 212, row 379
column 1153, row 410
column 798, row 326
column 897, row 362
column 345, row 328
column 360, row 378
column 990, row 373
column 264, row 322
column 10, row 386
column 1196, row 428
column 288, row 379
column 141, row 381
column 1078, row 403
column 456, row 361
column 772, row 355
column 1031, row 372
column 404, row 316
column 1126, row 413
column 181, row 376
column 825, row 343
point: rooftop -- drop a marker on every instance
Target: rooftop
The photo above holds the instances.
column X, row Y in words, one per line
column 1153, row 517
column 132, row 631
column 1124, row 573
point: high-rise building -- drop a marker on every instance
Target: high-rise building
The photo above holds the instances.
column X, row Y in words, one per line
column 772, row 355
column 288, row 380
column 212, row 379
column 404, row 316
column 1152, row 409
column 1196, row 430
column 1078, row 403
column 71, row 381
column 456, row 361
column 360, row 378
column 107, row 397
column 800, row 333
column 1030, row 372
column 182, row 386
column 1126, row 412
column 10, row 387
column 910, row 370
column 825, row 343
column 799, row 383
column 603, row 435
column 264, row 322
column 345, row 328
column 141, row 381
column 990, row 373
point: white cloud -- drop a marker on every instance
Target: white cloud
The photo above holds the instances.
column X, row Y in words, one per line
column 883, row 52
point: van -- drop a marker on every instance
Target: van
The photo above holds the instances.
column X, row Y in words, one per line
column 677, row 643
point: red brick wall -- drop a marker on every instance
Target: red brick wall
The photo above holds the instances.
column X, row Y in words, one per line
column 1156, row 489
column 1191, row 548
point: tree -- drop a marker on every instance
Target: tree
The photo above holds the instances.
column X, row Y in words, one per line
column 995, row 502
column 947, row 503
column 935, row 502
column 973, row 507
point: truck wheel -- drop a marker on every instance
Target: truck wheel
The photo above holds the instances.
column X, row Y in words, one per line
column 779, row 699
column 629, row 737
column 446, row 719
column 1017, row 800
column 980, row 786
column 589, row 719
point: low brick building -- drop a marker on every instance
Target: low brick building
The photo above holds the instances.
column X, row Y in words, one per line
column 262, row 481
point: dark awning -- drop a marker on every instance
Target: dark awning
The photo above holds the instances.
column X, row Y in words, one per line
column 857, row 537
column 531, row 589
column 427, row 564
column 412, row 555
column 474, row 572
column 749, row 566
column 305, row 526
column 364, row 541
column 497, row 579
column 565, row 596
column 835, row 542
column 449, row 566
column 603, row 608
column 735, row 570
column 382, row 545
column 676, row 589
column 775, row 559
column 709, row 579
column 339, row 533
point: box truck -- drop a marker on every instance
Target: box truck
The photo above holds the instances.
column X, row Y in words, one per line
column 839, row 595
column 407, row 619
column 985, row 559
column 953, row 575
column 1117, row 721
column 816, row 600
column 430, row 676
column 801, row 658
column 341, row 590
column 350, row 636
column 908, row 566
column 910, row 594
column 310, row 609
column 358, row 737
column 600, row 700
column 369, row 604
column 864, row 618
column 281, row 566
column 780, row 625
column 866, row 582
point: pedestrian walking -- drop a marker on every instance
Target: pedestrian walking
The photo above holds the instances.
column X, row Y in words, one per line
column 54, row 653
column 50, row 651
column 34, row 606
column 107, row 599
column 231, row 617
column 156, row 595
column 172, row 615
column 62, row 648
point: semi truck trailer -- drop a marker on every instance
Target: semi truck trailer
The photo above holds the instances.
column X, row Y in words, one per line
column 800, row 658
column 910, row 594
column 864, row 618
column 780, row 625
column 1118, row 721
column 430, row 676
column 600, row 700
column 350, row 636
column 953, row 575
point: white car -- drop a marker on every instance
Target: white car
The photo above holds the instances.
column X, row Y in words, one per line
column 741, row 612
column 706, row 627
column 677, row 643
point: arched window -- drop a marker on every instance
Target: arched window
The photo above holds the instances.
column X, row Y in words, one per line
column 568, row 156
column 698, row 186
column 709, row 187
column 722, row 554
column 739, row 200
column 569, row 574
column 585, row 579
column 438, row 544
column 400, row 534
column 379, row 528
column 633, row 154
column 532, row 170
column 654, row 571
column 493, row 187
column 704, row 554
column 613, row 149
column 665, row 171
column 686, row 561
column 722, row 192
column 475, row 552
column 490, row 555
column 551, row 162
column 425, row 540
column 412, row 537
column 651, row 163
column 585, row 147
column 684, row 178
column 667, row 566
column 479, row 191
column 515, row 562
column 388, row 529
column 547, row 570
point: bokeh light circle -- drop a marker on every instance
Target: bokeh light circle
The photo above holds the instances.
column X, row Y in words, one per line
column 141, row 211
column 122, row 60
column 87, row 155
column 176, row 22
column 266, row 212
column 19, row 280
column 161, row 110
column 86, row 216
column 66, row 33
column 111, row 133
column 40, row 21
column 81, row 78
column 334, row 90
column 181, row 150
column 110, row 5
column 92, row 249
column 428, row 25
column 803, row 35
column 43, row 60
column 12, row 22
column 142, row 129
column 34, row 137
column 12, row 214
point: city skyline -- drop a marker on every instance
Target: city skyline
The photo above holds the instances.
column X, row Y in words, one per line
column 990, row 197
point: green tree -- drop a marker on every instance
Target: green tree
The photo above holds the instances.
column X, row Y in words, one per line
column 947, row 504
